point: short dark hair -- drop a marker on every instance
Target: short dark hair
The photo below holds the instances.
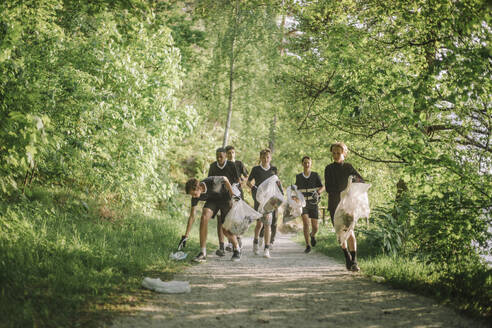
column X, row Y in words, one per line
column 265, row 151
column 220, row 150
column 229, row 148
column 302, row 160
column 191, row 185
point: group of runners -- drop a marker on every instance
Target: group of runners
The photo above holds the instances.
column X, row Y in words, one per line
column 226, row 173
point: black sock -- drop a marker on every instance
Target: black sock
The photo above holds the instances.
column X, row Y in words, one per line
column 267, row 246
column 255, row 241
column 353, row 254
column 221, row 245
column 348, row 257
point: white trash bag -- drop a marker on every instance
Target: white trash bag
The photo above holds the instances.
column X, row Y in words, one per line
column 269, row 195
column 235, row 189
column 354, row 204
column 294, row 204
column 178, row 256
column 240, row 217
column 170, row 287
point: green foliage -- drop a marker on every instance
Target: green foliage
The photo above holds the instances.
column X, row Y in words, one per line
column 468, row 288
column 101, row 111
column 60, row 254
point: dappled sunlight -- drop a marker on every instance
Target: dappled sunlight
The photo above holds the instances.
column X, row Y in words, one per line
column 290, row 290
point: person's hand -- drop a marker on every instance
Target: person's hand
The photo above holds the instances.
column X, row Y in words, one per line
column 236, row 198
column 254, row 187
column 182, row 242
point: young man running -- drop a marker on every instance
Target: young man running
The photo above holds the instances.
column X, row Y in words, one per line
column 336, row 175
column 242, row 173
column 217, row 192
column 259, row 174
column 222, row 167
column 309, row 183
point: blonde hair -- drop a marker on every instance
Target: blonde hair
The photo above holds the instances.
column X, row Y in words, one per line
column 341, row 145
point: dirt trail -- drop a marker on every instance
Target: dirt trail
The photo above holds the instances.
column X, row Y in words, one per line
column 289, row 290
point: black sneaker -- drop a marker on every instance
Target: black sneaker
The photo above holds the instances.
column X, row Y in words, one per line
column 229, row 248
column 308, row 249
column 200, row 258
column 354, row 267
column 220, row 252
column 313, row 241
column 236, row 256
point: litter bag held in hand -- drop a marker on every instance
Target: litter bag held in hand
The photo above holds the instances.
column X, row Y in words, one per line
column 269, row 195
column 295, row 203
column 354, row 204
column 240, row 217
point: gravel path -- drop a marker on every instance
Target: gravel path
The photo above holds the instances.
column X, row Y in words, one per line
column 291, row 289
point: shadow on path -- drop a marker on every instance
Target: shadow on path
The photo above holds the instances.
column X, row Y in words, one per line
column 291, row 289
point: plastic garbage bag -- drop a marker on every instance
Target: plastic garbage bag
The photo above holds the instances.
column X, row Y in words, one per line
column 354, row 204
column 240, row 217
column 235, row 189
column 169, row 287
column 269, row 195
column 294, row 204
column 178, row 256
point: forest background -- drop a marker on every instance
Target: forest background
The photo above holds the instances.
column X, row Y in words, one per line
column 107, row 107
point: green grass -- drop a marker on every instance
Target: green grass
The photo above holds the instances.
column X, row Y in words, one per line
column 66, row 260
column 469, row 291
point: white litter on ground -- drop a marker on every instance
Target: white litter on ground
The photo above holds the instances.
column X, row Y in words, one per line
column 169, row 287
column 179, row 255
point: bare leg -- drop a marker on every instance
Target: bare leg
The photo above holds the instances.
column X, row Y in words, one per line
column 314, row 225
column 206, row 215
column 232, row 238
column 305, row 227
column 220, row 231
column 267, row 235
column 259, row 224
column 352, row 242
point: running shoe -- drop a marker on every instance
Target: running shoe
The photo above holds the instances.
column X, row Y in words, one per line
column 256, row 249
column 313, row 241
column 229, row 247
column 200, row 258
column 220, row 252
column 266, row 253
column 308, row 249
column 271, row 246
column 355, row 267
column 236, row 256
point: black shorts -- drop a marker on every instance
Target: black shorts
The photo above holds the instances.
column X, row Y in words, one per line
column 311, row 211
column 215, row 206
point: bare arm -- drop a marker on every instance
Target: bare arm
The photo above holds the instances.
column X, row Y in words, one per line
column 228, row 186
column 191, row 219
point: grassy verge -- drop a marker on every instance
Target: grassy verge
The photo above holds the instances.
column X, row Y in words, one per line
column 470, row 293
column 68, row 261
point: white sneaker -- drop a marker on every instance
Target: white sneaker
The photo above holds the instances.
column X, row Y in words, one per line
column 271, row 246
column 266, row 253
column 256, row 249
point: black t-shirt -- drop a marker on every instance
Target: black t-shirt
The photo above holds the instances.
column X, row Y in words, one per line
column 336, row 175
column 229, row 171
column 241, row 169
column 259, row 175
column 216, row 190
column 311, row 183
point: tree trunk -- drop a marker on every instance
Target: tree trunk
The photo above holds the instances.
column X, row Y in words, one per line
column 271, row 143
column 231, row 80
